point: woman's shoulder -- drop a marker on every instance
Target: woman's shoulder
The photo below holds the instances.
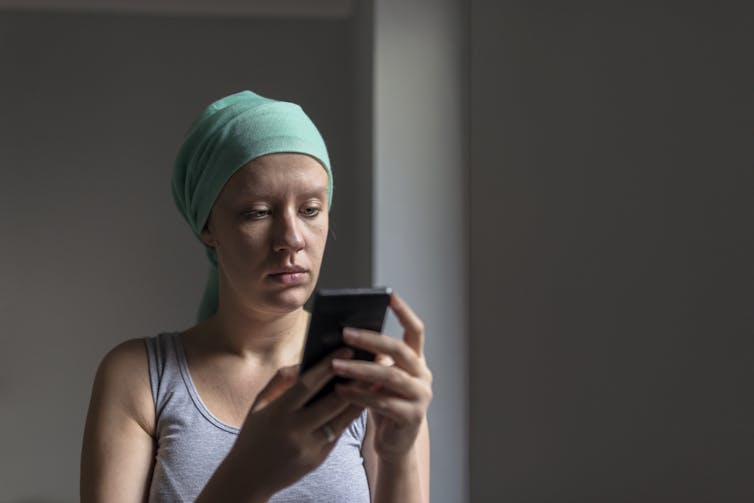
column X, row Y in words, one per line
column 122, row 382
column 126, row 360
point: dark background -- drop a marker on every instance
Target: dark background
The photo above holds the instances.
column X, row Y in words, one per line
column 611, row 250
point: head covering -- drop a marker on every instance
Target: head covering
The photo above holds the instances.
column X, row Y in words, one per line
column 226, row 136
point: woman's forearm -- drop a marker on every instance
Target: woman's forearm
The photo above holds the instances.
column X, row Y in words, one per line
column 400, row 480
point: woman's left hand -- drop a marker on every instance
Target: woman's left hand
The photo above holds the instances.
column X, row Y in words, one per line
column 396, row 388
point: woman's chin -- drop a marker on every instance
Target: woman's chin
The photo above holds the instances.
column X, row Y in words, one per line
column 288, row 299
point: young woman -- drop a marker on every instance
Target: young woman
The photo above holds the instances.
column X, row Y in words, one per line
column 215, row 412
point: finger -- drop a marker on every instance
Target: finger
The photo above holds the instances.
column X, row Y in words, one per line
column 404, row 356
column 384, row 359
column 413, row 327
column 343, row 420
column 313, row 379
column 399, row 410
column 381, row 359
column 393, row 379
column 368, row 385
column 322, row 411
column 276, row 386
column 338, row 424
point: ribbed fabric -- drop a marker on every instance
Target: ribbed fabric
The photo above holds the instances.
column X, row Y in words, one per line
column 191, row 442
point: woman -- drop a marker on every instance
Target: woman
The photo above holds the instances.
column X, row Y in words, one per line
column 215, row 413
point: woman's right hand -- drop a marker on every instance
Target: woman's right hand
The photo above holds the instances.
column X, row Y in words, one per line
column 281, row 440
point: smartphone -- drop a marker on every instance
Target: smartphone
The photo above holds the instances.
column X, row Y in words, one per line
column 332, row 311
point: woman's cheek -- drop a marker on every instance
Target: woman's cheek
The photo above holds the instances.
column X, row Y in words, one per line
column 320, row 236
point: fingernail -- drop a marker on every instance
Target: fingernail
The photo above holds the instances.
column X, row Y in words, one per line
column 350, row 333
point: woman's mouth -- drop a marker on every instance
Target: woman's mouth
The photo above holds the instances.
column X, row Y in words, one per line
column 290, row 277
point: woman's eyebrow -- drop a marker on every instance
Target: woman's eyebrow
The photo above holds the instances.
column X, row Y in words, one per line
column 317, row 191
column 250, row 193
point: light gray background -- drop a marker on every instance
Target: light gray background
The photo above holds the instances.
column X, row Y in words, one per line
column 420, row 203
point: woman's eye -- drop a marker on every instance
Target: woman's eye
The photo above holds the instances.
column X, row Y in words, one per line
column 310, row 212
column 255, row 214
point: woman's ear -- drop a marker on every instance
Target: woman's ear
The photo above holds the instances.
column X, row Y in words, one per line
column 207, row 236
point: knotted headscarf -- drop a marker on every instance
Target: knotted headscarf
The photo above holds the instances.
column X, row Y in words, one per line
column 226, row 136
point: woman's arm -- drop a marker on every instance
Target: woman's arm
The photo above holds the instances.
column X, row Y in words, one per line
column 118, row 449
column 403, row 481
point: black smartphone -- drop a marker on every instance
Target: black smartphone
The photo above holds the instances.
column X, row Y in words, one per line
column 332, row 311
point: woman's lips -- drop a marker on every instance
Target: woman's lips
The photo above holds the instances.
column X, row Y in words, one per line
column 289, row 278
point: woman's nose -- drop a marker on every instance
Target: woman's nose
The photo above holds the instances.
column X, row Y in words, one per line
column 288, row 236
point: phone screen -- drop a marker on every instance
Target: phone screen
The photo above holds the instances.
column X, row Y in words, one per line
column 335, row 309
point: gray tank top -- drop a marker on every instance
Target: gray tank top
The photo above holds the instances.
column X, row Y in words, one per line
column 191, row 442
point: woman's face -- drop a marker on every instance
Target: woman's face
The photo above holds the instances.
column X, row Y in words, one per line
column 269, row 229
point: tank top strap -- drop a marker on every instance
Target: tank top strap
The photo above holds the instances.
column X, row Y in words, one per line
column 164, row 368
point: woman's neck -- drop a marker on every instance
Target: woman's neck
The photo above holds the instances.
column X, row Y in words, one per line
column 269, row 338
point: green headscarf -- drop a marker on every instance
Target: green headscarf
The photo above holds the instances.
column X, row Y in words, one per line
column 226, row 136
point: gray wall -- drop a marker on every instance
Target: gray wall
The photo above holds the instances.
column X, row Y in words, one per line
column 93, row 110
column 611, row 251
column 420, row 204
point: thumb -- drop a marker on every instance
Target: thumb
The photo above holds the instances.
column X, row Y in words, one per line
column 276, row 386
